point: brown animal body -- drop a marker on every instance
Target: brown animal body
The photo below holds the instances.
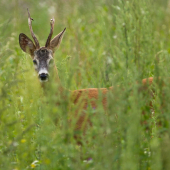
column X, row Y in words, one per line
column 84, row 98
column 147, row 81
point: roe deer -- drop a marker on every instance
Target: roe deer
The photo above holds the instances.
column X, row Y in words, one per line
column 42, row 58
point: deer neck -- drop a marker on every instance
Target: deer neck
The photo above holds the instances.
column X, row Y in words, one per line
column 53, row 79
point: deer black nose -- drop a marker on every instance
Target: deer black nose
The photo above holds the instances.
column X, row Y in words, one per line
column 43, row 76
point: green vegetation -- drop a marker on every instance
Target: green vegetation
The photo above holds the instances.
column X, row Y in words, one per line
column 107, row 43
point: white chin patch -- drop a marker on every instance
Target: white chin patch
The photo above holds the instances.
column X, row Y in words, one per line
column 43, row 71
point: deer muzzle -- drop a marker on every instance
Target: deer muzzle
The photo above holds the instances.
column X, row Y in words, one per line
column 43, row 76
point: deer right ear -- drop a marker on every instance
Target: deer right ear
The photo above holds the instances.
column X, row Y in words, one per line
column 55, row 42
column 26, row 44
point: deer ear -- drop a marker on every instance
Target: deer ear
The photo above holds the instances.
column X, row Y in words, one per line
column 55, row 42
column 26, row 44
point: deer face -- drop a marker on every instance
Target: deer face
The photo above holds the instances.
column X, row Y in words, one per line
column 43, row 61
column 42, row 56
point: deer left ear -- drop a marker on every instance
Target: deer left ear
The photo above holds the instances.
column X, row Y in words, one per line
column 56, row 41
column 26, row 44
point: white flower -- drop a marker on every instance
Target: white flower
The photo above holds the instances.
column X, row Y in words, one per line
column 115, row 36
column 15, row 143
column 34, row 164
column 109, row 60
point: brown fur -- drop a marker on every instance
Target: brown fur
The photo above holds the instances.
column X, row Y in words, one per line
column 85, row 96
column 147, row 81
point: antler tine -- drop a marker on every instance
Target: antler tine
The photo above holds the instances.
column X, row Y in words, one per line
column 51, row 33
column 32, row 33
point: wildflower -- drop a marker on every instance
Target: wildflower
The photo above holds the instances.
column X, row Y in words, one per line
column 15, row 144
column 109, row 60
column 115, row 36
column 23, row 140
column 34, row 164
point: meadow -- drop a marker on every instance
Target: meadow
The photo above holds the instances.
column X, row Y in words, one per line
column 107, row 43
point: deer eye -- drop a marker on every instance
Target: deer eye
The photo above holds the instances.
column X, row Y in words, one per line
column 35, row 62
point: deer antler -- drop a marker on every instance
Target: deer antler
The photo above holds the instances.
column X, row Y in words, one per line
column 51, row 33
column 32, row 33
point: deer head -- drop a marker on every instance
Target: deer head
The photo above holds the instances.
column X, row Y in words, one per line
column 42, row 56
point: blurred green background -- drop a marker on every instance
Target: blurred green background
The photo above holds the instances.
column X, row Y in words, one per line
column 107, row 43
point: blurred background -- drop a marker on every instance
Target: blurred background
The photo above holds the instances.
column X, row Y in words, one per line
column 107, row 43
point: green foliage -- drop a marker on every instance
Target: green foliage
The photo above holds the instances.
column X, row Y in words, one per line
column 107, row 43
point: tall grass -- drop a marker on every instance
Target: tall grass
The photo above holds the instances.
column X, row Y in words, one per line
column 107, row 43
